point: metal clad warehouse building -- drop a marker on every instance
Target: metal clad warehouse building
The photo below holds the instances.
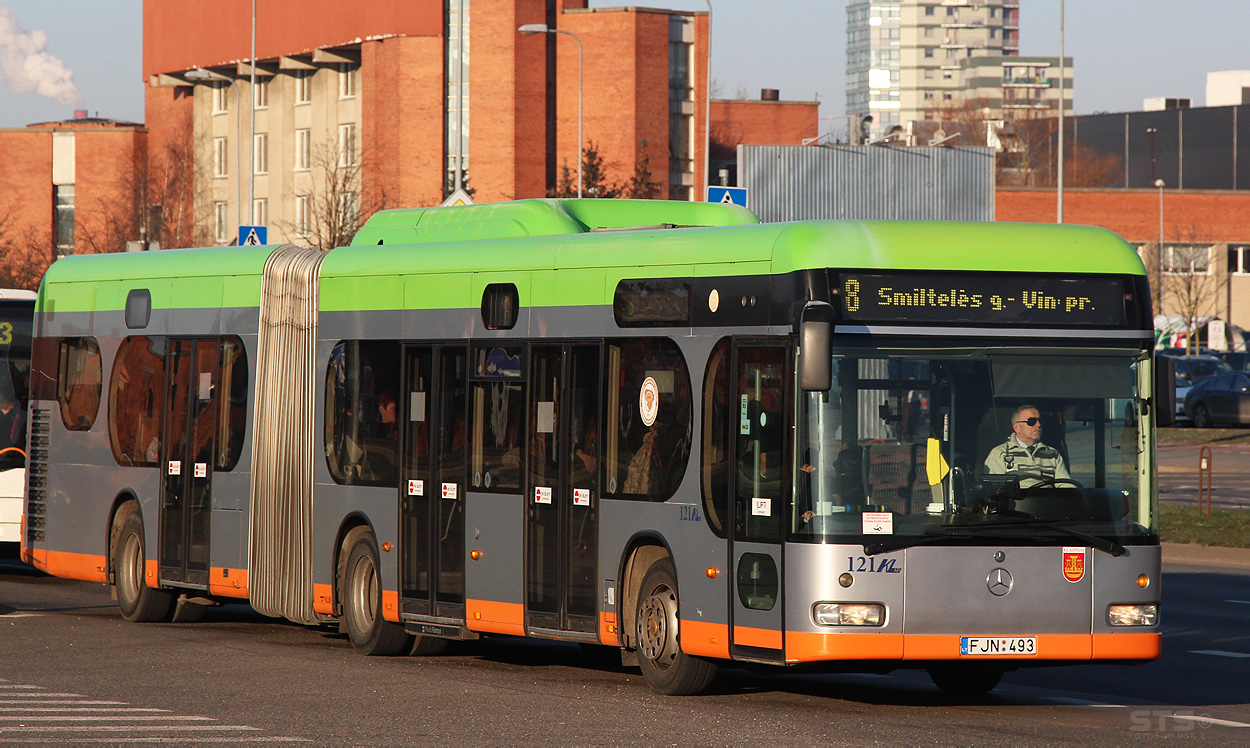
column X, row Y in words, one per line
column 799, row 183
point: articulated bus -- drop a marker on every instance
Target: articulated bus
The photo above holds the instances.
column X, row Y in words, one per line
column 657, row 427
column 17, row 307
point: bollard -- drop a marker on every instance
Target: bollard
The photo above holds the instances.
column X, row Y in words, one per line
column 1204, row 479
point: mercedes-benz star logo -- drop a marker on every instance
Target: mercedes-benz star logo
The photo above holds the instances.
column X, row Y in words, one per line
column 999, row 582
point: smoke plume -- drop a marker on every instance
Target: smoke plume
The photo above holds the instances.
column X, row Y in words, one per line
column 27, row 68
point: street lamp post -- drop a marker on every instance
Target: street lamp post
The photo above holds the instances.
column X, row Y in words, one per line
column 707, row 107
column 542, row 28
column 1159, row 254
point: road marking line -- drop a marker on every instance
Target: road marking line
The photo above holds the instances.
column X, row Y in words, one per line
column 21, row 615
column 80, row 709
column 124, row 728
column 57, row 701
column 150, row 739
column 1209, row 720
column 41, row 688
column 1219, row 653
column 69, row 718
column 1240, row 602
column 1074, row 701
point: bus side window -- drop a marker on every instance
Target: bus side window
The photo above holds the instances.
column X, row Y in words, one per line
column 714, row 461
column 647, row 440
column 78, row 383
column 361, row 443
column 136, row 402
column 232, row 403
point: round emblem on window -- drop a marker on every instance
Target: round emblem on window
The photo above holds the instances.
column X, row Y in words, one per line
column 649, row 401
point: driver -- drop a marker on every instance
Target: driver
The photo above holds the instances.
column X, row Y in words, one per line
column 1024, row 455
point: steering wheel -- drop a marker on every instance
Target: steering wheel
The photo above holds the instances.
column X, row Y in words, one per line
column 1043, row 482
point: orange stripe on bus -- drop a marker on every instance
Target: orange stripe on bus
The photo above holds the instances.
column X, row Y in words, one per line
column 808, row 647
column 1127, row 646
column 85, row 566
column 323, row 599
column 494, row 617
column 705, row 639
column 227, row 582
column 390, row 605
column 607, row 629
column 747, row 636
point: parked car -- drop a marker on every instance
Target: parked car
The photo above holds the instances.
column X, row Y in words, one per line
column 1224, row 398
column 1239, row 360
column 1189, row 371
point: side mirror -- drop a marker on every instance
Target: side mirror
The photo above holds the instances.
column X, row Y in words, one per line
column 815, row 340
column 1165, row 391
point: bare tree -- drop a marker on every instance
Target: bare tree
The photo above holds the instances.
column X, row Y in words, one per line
column 25, row 251
column 337, row 203
column 1190, row 280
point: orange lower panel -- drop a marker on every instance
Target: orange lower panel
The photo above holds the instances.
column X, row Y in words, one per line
column 152, row 573
column 496, row 618
column 390, row 605
column 227, row 582
column 607, row 629
column 751, row 637
column 83, row 566
column 705, row 639
column 806, row 647
column 323, row 599
column 1127, row 646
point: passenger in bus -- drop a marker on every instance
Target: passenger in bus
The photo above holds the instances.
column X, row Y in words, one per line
column 1024, row 454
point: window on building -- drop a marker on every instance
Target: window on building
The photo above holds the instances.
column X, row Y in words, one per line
column 221, row 101
column 260, row 94
column 1239, row 259
column 260, row 153
column 347, row 79
column 78, row 383
column 928, row 51
column 260, row 211
column 302, row 222
column 928, row 10
column 303, row 150
column 1186, row 259
column 993, row 33
column 349, row 210
column 221, row 221
column 63, row 199
column 221, row 160
column 993, row 12
column 681, row 116
column 347, row 145
column 303, row 87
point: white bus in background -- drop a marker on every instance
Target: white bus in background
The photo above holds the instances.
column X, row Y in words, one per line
column 16, row 311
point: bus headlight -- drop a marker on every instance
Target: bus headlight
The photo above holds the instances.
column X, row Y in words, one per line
column 849, row 614
column 1133, row 615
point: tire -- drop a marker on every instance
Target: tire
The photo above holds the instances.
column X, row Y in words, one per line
column 1202, row 417
column 137, row 601
column 370, row 633
column 428, row 646
column 665, row 668
column 965, row 680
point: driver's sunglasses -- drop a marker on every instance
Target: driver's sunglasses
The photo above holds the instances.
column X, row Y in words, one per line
column 1030, row 421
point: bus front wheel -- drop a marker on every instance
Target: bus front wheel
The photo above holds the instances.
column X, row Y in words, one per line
column 369, row 632
column 137, row 601
column 666, row 669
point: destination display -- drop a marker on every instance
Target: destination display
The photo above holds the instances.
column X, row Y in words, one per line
column 980, row 299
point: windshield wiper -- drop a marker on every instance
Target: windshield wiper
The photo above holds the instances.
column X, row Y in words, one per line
column 1102, row 544
column 970, row 532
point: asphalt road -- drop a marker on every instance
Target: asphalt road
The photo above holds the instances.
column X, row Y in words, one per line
column 1230, row 475
column 71, row 670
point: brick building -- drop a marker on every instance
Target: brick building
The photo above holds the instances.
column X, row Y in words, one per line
column 355, row 108
column 769, row 121
column 68, row 187
column 1205, row 239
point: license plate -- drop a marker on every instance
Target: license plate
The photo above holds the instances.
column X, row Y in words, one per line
column 998, row 645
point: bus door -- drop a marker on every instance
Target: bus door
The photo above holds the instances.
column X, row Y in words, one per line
column 187, row 458
column 562, row 489
column 759, row 485
column 432, row 481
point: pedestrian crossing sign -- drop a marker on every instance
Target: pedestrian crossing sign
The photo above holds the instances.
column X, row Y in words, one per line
column 727, row 195
column 253, row 236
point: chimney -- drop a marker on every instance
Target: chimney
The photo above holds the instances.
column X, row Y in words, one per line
column 80, row 114
column 769, row 94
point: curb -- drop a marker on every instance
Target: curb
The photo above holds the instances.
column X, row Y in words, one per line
column 1192, row 553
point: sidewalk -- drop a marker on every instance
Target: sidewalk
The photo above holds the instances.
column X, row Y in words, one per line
column 1191, row 553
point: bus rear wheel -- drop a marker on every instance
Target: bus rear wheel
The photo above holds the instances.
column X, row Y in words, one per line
column 369, row 632
column 665, row 668
column 136, row 600
column 965, row 680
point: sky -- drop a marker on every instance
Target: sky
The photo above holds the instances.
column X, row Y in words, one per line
column 60, row 55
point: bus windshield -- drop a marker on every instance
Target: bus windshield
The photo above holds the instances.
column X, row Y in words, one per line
column 974, row 445
column 15, row 331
